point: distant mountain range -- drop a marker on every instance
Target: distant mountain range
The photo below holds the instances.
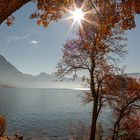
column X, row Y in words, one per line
column 10, row 76
column 134, row 75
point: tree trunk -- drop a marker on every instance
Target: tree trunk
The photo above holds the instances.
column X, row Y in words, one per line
column 115, row 130
column 94, row 119
column 8, row 7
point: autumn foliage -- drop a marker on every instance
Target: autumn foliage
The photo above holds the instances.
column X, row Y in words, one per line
column 2, row 125
column 97, row 49
column 99, row 44
column 131, row 128
column 122, row 11
column 124, row 100
column 51, row 10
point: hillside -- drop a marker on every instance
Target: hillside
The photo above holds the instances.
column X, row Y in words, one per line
column 10, row 76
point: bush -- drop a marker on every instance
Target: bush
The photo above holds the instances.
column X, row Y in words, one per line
column 2, row 125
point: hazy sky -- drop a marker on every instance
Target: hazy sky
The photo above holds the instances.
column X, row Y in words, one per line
column 34, row 49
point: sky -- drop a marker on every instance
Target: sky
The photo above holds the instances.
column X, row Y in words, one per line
column 33, row 49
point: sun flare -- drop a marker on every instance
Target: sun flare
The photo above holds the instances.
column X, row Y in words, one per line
column 77, row 15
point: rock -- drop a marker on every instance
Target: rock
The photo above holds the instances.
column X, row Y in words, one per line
column 18, row 137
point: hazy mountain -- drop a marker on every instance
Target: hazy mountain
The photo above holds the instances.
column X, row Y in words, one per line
column 7, row 68
column 10, row 76
column 134, row 75
column 8, row 73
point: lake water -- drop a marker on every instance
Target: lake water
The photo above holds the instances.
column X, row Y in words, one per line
column 44, row 114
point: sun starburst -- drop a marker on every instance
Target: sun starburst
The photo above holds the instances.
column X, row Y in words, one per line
column 77, row 15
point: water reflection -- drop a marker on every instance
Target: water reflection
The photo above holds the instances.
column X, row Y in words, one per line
column 42, row 112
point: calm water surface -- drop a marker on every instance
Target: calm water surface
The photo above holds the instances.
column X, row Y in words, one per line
column 43, row 114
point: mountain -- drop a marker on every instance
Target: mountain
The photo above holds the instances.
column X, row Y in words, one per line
column 10, row 76
column 134, row 75
column 7, row 68
column 8, row 73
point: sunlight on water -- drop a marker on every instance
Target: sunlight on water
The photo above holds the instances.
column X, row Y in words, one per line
column 41, row 113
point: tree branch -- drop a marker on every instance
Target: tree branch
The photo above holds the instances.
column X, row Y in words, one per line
column 8, row 7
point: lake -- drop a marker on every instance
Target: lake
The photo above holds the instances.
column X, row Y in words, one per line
column 44, row 114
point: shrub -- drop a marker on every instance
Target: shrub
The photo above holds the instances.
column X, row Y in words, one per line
column 2, row 125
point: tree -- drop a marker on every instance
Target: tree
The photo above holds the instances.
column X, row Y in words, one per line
column 96, row 45
column 90, row 51
column 8, row 7
column 125, row 105
column 46, row 11
column 131, row 127
column 50, row 10
column 93, row 53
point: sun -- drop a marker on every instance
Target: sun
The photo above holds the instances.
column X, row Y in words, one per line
column 77, row 15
